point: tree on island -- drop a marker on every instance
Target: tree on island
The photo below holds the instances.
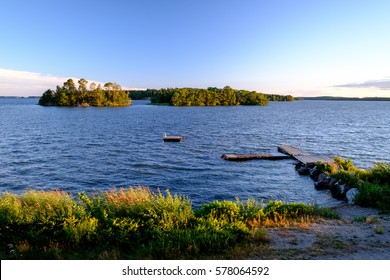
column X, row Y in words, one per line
column 211, row 96
column 70, row 95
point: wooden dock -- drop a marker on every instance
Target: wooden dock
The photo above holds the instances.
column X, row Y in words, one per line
column 288, row 153
column 242, row 157
column 292, row 151
column 304, row 157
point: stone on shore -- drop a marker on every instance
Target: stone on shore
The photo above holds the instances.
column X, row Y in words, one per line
column 339, row 190
column 351, row 194
column 314, row 173
column 322, row 182
column 303, row 170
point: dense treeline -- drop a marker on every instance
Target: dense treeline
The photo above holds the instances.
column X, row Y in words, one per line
column 341, row 98
column 68, row 95
column 211, row 96
column 274, row 97
column 155, row 95
column 139, row 94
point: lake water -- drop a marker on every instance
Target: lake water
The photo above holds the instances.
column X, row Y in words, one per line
column 91, row 149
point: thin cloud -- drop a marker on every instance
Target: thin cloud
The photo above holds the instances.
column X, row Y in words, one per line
column 24, row 83
column 383, row 84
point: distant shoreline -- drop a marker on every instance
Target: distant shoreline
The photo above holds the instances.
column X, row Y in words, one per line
column 336, row 98
column 324, row 98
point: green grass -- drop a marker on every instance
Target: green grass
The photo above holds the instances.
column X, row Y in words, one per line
column 373, row 184
column 135, row 223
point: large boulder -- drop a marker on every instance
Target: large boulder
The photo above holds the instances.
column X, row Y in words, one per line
column 339, row 191
column 303, row 170
column 298, row 165
column 322, row 182
column 351, row 194
column 323, row 177
column 332, row 182
column 314, row 173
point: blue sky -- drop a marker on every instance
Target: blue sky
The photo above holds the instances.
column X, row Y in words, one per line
column 303, row 48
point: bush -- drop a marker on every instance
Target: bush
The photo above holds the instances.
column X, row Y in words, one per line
column 130, row 223
column 327, row 168
column 373, row 184
column 380, row 174
column 278, row 210
column 347, row 178
column 220, row 210
column 374, row 195
column 11, row 210
column 143, row 207
column 47, row 217
column 251, row 210
column 345, row 165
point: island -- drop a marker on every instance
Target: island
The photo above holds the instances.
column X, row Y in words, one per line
column 111, row 94
column 211, row 96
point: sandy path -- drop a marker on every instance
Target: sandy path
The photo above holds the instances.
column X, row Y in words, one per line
column 361, row 233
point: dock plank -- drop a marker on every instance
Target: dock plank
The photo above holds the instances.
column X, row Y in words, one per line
column 292, row 151
column 313, row 159
column 287, row 152
column 304, row 157
column 242, row 157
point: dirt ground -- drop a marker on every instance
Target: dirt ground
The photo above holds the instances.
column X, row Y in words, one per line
column 359, row 234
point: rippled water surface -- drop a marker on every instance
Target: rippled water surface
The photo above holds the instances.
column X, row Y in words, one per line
column 89, row 149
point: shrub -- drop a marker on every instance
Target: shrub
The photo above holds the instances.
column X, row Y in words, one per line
column 276, row 209
column 279, row 210
column 42, row 218
column 348, row 178
column 327, row 168
column 381, row 174
column 80, row 230
column 345, row 165
column 48, row 207
column 220, row 210
column 373, row 184
column 131, row 223
column 11, row 210
column 148, row 209
column 374, row 195
column 251, row 210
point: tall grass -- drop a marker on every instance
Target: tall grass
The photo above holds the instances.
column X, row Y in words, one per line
column 133, row 223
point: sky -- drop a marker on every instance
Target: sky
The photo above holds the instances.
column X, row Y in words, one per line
column 297, row 47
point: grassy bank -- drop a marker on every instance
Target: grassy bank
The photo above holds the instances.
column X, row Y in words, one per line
column 373, row 184
column 136, row 223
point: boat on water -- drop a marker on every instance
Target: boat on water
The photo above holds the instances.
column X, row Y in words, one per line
column 172, row 138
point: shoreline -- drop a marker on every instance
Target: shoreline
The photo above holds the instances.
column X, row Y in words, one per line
column 275, row 231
